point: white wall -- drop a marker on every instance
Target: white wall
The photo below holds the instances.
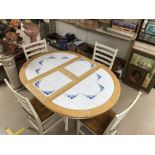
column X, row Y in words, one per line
column 91, row 36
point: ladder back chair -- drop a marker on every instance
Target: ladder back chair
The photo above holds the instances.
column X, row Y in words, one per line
column 35, row 48
column 104, row 54
column 39, row 116
column 107, row 123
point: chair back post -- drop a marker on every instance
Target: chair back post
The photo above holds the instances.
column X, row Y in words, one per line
column 104, row 54
column 45, row 45
column 35, row 48
column 25, row 103
column 115, row 123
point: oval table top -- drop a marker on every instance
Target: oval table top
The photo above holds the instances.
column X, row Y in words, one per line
column 71, row 85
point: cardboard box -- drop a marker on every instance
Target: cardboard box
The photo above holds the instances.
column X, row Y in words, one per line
column 89, row 23
column 74, row 21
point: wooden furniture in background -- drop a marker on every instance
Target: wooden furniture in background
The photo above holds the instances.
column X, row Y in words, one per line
column 135, row 76
column 103, row 26
column 143, row 56
column 34, row 48
column 74, row 21
column 39, row 115
column 52, row 26
column 89, row 23
column 86, row 50
column 107, row 123
column 104, row 54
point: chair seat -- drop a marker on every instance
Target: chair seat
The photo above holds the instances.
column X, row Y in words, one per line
column 100, row 123
column 41, row 110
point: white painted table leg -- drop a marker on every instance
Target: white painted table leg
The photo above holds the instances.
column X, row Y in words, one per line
column 66, row 124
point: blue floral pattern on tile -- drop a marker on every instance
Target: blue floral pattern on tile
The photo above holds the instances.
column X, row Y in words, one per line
column 98, row 76
column 48, row 92
column 82, row 60
column 41, row 62
column 51, row 57
column 37, row 70
column 37, row 84
column 64, row 58
column 92, row 65
column 90, row 96
column 71, row 96
column 101, row 87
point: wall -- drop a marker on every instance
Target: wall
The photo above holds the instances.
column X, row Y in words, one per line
column 91, row 36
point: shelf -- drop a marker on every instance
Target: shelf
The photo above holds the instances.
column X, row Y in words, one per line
column 145, row 48
column 116, row 34
column 109, row 31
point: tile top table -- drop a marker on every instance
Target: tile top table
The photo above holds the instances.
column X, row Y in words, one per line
column 70, row 85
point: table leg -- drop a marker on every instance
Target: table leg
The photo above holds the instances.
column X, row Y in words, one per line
column 66, row 123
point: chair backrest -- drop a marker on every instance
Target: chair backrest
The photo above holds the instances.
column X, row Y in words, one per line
column 114, row 125
column 35, row 48
column 104, row 54
column 25, row 103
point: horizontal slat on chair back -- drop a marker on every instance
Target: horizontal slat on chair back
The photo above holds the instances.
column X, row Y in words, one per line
column 35, row 48
column 22, row 100
column 105, row 57
column 104, row 54
column 105, row 51
column 32, row 53
column 24, row 104
column 100, row 60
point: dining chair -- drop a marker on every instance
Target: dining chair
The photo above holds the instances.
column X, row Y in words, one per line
column 107, row 123
column 34, row 48
column 38, row 115
column 104, row 54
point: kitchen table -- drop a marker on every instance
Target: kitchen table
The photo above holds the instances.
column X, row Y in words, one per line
column 70, row 84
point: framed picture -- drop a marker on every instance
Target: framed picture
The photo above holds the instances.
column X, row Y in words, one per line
column 146, row 32
column 150, row 28
column 135, row 76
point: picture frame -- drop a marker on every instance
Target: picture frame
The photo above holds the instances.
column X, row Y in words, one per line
column 135, row 76
column 146, row 35
column 150, row 28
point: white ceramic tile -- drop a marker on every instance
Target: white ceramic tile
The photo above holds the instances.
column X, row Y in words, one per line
column 82, row 103
column 72, row 100
column 91, row 92
column 52, row 83
column 83, row 89
column 62, row 101
column 46, row 63
column 80, row 67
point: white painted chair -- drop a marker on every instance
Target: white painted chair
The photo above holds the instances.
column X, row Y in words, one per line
column 35, row 48
column 107, row 123
column 39, row 116
column 104, row 54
